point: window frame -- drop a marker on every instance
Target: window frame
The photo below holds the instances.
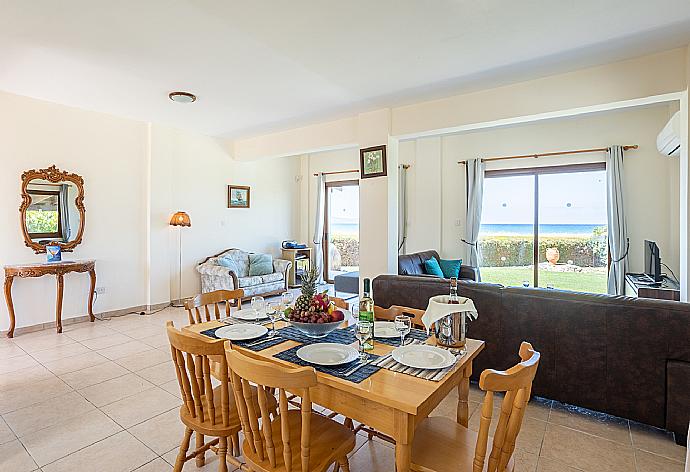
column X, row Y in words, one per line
column 55, row 235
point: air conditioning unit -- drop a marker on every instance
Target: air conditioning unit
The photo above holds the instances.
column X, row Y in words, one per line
column 668, row 141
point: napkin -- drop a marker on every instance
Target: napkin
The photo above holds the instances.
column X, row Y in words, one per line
column 439, row 307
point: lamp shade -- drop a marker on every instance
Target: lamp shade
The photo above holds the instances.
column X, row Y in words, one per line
column 180, row 219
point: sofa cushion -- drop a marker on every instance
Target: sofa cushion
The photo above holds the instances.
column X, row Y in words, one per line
column 241, row 259
column 260, row 264
column 228, row 262
column 450, row 268
column 274, row 277
column 432, row 267
column 249, row 281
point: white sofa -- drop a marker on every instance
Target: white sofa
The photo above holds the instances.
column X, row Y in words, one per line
column 216, row 277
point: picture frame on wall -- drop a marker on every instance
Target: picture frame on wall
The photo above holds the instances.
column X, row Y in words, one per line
column 372, row 162
column 239, row 196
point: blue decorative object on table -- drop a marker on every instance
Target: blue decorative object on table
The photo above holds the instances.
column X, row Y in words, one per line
column 339, row 371
column 54, row 253
column 251, row 344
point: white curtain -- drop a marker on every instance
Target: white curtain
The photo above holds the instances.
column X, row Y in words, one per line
column 64, row 212
column 318, row 224
column 402, row 204
column 475, row 194
column 618, row 234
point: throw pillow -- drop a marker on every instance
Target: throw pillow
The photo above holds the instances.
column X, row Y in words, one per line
column 432, row 267
column 260, row 264
column 228, row 262
column 450, row 268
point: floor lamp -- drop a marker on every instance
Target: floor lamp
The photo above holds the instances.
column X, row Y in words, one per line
column 180, row 219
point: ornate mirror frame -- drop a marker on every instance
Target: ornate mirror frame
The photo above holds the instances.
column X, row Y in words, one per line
column 55, row 175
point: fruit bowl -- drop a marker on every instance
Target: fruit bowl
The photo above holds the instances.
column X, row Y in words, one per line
column 316, row 330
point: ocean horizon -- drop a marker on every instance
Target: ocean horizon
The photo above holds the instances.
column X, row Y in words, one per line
column 544, row 229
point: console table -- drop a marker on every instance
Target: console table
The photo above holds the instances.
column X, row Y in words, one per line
column 58, row 269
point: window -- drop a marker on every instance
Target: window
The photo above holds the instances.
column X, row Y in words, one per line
column 341, row 228
column 546, row 227
column 43, row 218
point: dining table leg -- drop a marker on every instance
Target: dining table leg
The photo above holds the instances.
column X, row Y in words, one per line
column 404, row 435
column 463, row 414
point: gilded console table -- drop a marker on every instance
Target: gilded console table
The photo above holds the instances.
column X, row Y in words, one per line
column 58, row 269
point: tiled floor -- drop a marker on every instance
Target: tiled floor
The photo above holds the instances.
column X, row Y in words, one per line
column 103, row 397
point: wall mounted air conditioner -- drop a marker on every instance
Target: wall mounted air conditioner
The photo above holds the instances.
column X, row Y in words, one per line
column 668, row 141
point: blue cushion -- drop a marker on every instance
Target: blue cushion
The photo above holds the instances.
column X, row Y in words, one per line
column 260, row 264
column 450, row 268
column 431, row 267
column 228, row 262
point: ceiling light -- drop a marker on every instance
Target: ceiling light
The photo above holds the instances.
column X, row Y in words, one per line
column 182, row 97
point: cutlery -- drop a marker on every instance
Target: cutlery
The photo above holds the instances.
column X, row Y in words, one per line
column 370, row 361
column 254, row 343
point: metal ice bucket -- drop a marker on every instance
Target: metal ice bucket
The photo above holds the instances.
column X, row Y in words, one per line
column 450, row 330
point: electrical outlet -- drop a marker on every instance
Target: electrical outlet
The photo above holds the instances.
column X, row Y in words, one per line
column 100, row 290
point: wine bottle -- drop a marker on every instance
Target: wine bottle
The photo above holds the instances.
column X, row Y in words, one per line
column 453, row 298
column 366, row 311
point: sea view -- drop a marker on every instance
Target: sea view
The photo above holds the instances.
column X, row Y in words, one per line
column 526, row 229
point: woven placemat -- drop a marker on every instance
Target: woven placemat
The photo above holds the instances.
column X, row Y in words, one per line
column 340, row 336
column 339, row 371
column 416, row 334
column 435, row 375
column 257, row 344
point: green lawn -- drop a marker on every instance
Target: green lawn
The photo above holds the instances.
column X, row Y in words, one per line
column 594, row 282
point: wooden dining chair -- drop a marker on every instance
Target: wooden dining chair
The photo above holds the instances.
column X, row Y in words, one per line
column 198, row 307
column 389, row 314
column 340, row 303
column 205, row 410
column 295, row 440
column 465, row 450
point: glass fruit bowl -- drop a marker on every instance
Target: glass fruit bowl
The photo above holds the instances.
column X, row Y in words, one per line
column 316, row 330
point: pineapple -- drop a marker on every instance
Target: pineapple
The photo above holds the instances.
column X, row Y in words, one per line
column 309, row 281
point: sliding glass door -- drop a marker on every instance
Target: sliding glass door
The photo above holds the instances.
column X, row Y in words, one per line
column 546, row 227
column 341, row 228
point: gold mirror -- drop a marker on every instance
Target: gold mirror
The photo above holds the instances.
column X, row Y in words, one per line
column 52, row 209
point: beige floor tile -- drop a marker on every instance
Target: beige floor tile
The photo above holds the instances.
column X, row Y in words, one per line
column 16, row 363
column 123, row 350
column 648, row 462
column 41, row 340
column 49, row 444
column 6, row 434
column 656, row 441
column 141, row 406
column 159, row 374
column 172, row 387
column 72, row 364
column 14, row 458
column 143, row 332
column 10, row 350
column 546, row 464
column 83, row 331
column 539, row 408
column 525, row 461
column 127, row 323
column 94, row 375
column 120, row 452
column 587, row 452
column 159, row 341
column 531, row 433
column 12, row 380
column 160, row 433
column 373, row 457
column 592, row 422
column 47, row 413
column 211, row 464
column 115, row 389
column 103, row 342
column 35, row 392
column 59, row 352
column 449, row 407
column 156, row 465
column 142, row 360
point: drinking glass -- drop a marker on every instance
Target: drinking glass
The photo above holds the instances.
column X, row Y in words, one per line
column 274, row 313
column 259, row 305
column 364, row 331
column 286, row 300
column 403, row 325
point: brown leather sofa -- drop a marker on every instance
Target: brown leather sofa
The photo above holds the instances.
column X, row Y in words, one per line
column 625, row 356
column 413, row 264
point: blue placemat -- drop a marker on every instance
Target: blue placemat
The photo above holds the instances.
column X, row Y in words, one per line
column 340, row 335
column 249, row 344
column 416, row 334
column 358, row 376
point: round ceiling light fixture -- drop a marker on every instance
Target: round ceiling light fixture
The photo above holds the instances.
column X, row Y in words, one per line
column 182, row 97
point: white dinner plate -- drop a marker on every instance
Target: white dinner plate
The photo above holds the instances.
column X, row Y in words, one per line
column 385, row 329
column 423, row 356
column 241, row 331
column 248, row 314
column 327, row 353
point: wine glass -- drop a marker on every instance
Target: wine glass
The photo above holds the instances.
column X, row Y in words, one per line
column 259, row 306
column 364, row 331
column 403, row 325
column 286, row 300
column 274, row 313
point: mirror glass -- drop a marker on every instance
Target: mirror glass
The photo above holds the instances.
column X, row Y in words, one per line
column 52, row 215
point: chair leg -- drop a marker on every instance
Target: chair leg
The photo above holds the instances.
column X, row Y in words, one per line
column 235, row 443
column 348, row 423
column 222, row 452
column 201, row 457
column 184, row 447
column 344, row 464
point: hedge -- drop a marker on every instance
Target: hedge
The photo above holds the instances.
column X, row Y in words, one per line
column 517, row 250
column 348, row 246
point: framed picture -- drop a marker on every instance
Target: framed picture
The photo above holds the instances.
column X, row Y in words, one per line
column 372, row 162
column 238, row 196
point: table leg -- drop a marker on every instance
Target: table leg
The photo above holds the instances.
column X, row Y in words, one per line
column 92, row 274
column 58, row 302
column 10, row 305
column 403, row 441
column 463, row 414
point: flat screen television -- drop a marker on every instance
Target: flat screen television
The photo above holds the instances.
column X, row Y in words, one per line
column 652, row 261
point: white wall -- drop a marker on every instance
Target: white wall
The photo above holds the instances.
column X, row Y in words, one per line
column 436, row 186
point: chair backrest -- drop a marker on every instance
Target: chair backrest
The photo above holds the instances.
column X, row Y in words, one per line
column 339, row 302
column 191, row 358
column 389, row 314
column 268, row 377
column 516, row 382
column 198, row 307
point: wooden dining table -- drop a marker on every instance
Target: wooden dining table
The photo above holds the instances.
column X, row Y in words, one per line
column 392, row 403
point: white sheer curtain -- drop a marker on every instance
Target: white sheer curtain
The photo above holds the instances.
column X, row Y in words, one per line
column 64, row 212
column 318, row 224
column 475, row 193
column 618, row 233
column 402, row 204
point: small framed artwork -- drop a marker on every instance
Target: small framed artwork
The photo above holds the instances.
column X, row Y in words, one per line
column 372, row 162
column 238, row 196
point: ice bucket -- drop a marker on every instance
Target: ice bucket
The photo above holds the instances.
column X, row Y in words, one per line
column 448, row 321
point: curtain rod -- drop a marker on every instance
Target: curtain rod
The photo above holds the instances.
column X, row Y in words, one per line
column 405, row 166
column 545, row 154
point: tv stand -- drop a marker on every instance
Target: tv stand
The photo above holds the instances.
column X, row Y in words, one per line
column 643, row 286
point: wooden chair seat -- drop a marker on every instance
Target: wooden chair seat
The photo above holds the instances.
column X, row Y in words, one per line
column 206, row 427
column 328, row 440
column 442, row 445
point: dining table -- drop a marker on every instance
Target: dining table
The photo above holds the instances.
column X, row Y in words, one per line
column 392, row 403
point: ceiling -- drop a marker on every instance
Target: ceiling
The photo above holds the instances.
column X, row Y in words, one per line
column 259, row 66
